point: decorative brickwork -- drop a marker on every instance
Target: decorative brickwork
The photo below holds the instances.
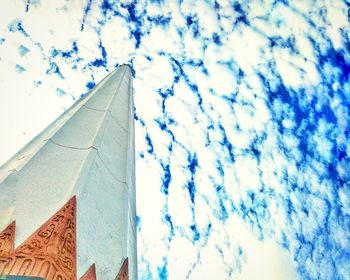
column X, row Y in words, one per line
column 124, row 271
column 7, row 240
column 50, row 252
column 90, row 274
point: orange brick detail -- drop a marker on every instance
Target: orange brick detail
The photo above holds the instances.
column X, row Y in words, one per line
column 50, row 252
column 124, row 271
column 90, row 274
column 7, row 239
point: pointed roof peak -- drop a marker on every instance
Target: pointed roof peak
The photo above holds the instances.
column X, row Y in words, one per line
column 125, row 65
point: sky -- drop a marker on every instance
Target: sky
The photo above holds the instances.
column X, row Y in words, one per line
column 241, row 119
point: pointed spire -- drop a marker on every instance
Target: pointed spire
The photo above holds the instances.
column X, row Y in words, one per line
column 90, row 274
column 55, row 240
column 89, row 151
column 123, row 272
column 7, row 239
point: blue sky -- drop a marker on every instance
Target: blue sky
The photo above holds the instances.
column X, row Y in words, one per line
column 241, row 117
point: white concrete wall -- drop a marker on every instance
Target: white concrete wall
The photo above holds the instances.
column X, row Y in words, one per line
column 89, row 152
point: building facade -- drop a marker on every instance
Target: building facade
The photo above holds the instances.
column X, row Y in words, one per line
column 71, row 192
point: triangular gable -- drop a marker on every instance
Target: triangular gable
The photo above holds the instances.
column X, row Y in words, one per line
column 90, row 274
column 50, row 252
column 124, row 271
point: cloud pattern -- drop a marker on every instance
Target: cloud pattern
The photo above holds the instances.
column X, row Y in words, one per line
column 242, row 121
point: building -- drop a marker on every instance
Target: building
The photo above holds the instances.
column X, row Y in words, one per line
column 67, row 199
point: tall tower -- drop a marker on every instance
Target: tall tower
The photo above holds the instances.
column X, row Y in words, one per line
column 71, row 192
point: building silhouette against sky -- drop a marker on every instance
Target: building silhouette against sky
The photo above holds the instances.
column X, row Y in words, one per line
column 67, row 199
